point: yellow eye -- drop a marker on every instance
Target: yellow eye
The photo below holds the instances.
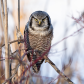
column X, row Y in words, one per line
column 43, row 19
column 36, row 19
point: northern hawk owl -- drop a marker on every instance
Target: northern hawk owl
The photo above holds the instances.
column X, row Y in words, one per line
column 38, row 34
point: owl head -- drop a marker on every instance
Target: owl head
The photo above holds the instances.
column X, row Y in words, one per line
column 39, row 22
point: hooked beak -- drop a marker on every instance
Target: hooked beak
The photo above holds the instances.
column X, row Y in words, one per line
column 39, row 22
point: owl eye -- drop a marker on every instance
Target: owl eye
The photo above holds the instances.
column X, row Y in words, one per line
column 36, row 19
column 43, row 19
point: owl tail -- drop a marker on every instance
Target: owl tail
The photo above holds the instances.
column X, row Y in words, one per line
column 37, row 65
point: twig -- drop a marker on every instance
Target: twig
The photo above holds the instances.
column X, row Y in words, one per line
column 57, row 70
column 21, row 40
column 2, row 75
column 14, row 56
column 2, row 59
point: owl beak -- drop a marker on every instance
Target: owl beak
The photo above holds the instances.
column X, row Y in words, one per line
column 39, row 22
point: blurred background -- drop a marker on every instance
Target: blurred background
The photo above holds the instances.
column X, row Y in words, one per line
column 68, row 55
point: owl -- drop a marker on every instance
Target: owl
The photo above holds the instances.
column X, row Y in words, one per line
column 38, row 35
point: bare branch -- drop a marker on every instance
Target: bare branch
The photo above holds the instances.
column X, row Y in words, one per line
column 57, row 70
column 2, row 59
column 2, row 75
column 21, row 40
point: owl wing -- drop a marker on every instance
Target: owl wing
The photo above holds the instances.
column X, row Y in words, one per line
column 26, row 41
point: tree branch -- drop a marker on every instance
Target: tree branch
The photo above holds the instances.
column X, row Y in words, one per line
column 21, row 40
column 57, row 70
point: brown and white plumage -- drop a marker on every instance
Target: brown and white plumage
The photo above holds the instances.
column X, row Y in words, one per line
column 38, row 34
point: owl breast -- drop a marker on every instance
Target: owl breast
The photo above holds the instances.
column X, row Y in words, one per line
column 41, row 43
